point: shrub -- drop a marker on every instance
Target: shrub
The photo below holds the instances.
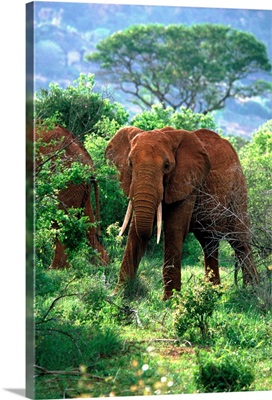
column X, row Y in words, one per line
column 256, row 159
column 70, row 225
column 226, row 373
column 78, row 107
column 158, row 117
column 194, row 305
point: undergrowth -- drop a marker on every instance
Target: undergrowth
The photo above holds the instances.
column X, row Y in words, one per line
column 91, row 343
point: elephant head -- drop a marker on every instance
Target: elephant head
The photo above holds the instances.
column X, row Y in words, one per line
column 160, row 165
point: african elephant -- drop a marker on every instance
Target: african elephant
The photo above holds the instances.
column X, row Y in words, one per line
column 75, row 195
column 193, row 182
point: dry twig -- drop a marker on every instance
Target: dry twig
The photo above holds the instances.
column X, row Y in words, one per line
column 43, row 371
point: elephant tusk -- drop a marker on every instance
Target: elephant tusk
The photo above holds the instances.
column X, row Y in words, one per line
column 127, row 218
column 159, row 222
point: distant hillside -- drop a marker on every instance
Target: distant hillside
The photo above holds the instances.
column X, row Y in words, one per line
column 66, row 32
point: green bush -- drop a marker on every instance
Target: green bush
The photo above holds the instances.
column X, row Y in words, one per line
column 194, row 305
column 159, row 117
column 70, row 225
column 192, row 251
column 78, row 107
column 242, row 329
column 222, row 373
column 95, row 119
column 256, row 158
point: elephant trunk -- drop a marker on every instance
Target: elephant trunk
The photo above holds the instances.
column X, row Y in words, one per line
column 144, row 214
column 128, row 215
column 146, row 194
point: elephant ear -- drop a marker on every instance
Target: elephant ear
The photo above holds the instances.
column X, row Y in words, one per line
column 192, row 165
column 117, row 152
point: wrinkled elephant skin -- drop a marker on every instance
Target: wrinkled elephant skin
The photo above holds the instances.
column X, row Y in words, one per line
column 198, row 179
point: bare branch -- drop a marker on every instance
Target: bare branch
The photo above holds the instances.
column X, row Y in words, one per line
column 43, row 371
column 53, row 304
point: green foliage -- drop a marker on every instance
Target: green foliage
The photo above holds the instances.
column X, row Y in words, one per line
column 194, row 305
column 71, row 321
column 244, row 332
column 197, row 66
column 191, row 250
column 238, row 142
column 256, row 159
column 114, row 243
column 69, row 225
column 80, row 110
column 78, row 107
column 52, row 220
column 73, row 228
column 82, row 328
column 159, row 117
column 113, row 201
column 223, row 372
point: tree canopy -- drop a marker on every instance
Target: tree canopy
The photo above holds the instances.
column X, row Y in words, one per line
column 197, row 67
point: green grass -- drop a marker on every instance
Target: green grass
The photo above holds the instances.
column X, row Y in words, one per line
column 92, row 344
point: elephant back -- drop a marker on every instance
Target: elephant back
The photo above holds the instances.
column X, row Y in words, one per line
column 221, row 152
column 60, row 140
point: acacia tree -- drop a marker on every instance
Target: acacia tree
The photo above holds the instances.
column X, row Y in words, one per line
column 197, row 67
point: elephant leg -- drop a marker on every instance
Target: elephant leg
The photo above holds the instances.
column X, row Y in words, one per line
column 60, row 259
column 210, row 250
column 135, row 249
column 176, row 225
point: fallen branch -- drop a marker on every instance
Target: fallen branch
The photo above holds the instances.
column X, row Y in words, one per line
column 43, row 371
column 52, row 305
column 159, row 340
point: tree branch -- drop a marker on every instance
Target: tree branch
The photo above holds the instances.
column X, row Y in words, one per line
column 43, row 371
column 53, row 304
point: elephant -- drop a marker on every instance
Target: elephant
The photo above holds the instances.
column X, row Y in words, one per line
column 190, row 181
column 56, row 141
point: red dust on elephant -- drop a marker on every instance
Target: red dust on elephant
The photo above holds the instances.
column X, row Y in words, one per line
column 193, row 182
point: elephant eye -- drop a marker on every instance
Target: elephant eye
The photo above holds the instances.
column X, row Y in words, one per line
column 166, row 165
column 130, row 163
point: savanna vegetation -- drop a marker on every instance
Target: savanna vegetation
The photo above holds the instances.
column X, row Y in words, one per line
column 89, row 343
